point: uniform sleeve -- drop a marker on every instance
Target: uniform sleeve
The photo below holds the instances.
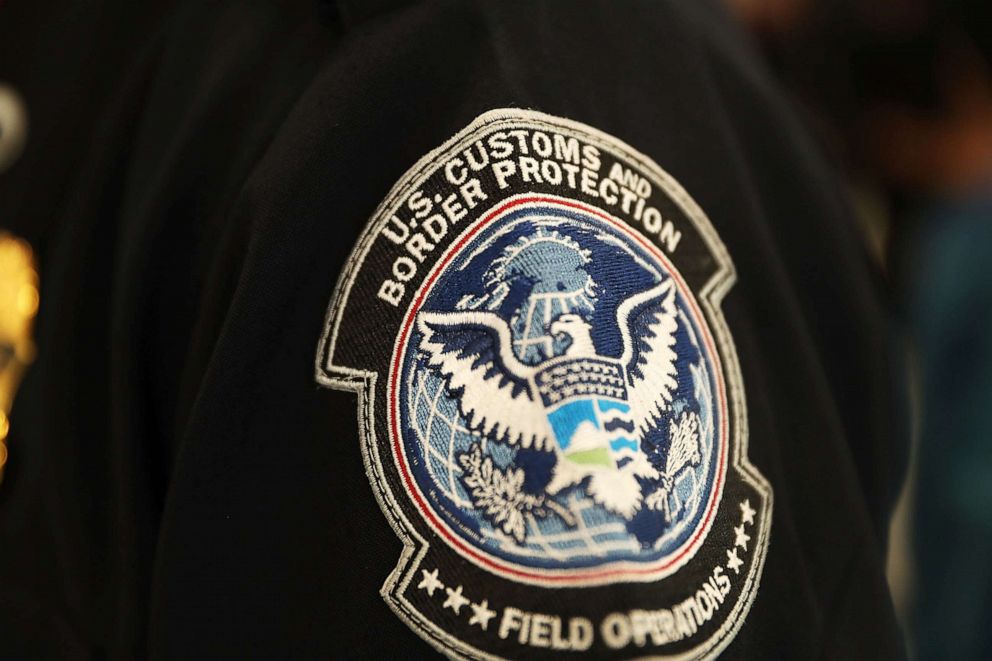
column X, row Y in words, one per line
column 504, row 330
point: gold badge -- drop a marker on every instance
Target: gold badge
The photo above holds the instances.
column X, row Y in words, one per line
column 18, row 305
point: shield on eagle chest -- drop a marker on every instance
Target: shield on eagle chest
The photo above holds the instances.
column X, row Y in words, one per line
column 586, row 404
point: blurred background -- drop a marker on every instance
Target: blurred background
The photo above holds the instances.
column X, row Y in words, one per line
column 899, row 93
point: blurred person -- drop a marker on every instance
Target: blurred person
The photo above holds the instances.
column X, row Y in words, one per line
column 942, row 161
column 902, row 93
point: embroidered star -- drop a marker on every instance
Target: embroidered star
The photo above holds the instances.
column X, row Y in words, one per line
column 481, row 614
column 733, row 562
column 747, row 512
column 430, row 582
column 455, row 600
column 742, row 539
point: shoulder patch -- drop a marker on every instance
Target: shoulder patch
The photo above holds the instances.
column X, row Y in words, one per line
column 550, row 403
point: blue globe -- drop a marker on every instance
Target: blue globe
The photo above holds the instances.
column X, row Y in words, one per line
column 531, row 267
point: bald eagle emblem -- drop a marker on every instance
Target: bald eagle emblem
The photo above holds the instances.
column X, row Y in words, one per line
column 590, row 410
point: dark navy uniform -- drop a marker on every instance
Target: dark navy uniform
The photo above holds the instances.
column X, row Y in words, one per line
column 195, row 178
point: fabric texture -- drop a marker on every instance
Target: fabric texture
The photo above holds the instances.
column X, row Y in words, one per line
column 195, row 177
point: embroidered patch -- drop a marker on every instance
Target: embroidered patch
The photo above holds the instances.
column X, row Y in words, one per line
column 551, row 410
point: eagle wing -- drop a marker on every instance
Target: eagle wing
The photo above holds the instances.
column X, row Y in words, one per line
column 473, row 351
column 647, row 324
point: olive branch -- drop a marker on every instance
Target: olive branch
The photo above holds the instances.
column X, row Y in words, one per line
column 499, row 494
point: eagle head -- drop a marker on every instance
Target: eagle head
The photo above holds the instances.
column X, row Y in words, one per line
column 577, row 329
